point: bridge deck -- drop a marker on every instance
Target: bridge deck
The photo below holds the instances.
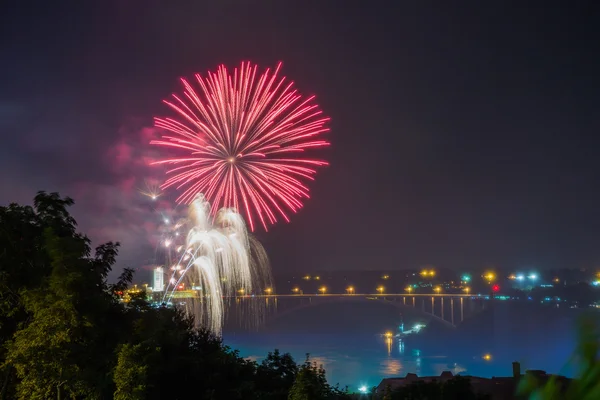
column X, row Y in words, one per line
column 476, row 296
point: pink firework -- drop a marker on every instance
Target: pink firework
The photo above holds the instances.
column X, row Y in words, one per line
column 244, row 136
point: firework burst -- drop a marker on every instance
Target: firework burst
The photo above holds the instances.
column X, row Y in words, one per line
column 245, row 136
column 216, row 260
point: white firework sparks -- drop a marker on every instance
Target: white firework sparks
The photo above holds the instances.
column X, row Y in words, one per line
column 220, row 259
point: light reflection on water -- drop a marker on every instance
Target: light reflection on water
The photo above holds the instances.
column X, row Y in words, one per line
column 349, row 361
column 357, row 354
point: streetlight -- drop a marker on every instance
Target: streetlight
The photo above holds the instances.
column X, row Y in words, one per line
column 437, row 289
column 533, row 277
column 242, row 291
column 490, row 276
column 380, row 289
column 350, row 290
column 409, row 289
column 296, row 290
column 467, row 290
column 426, row 273
column 268, row 291
column 322, row 289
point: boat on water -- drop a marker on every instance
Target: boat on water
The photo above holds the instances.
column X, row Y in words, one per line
column 406, row 332
column 402, row 332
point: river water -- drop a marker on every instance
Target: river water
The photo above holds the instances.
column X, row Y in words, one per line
column 349, row 360
column 350, row 344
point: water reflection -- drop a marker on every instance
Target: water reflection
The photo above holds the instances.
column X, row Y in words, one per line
column 417, row 355
column 348, row 360
column 391, row 367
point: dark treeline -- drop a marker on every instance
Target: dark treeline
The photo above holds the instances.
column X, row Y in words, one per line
column 64, row 334
column 457, row 388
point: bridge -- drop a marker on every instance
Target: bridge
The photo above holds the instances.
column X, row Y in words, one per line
column 450, row 309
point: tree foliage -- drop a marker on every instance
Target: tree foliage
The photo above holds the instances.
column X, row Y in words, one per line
column 311, row 384
column 586, row 359
column 131, row 372
column 275, row 376
column 66, row 334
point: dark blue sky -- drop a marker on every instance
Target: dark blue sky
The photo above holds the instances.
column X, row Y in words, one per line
column 462, row 136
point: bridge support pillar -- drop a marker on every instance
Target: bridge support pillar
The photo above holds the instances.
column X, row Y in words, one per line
column 432, row 305
column 442, row 307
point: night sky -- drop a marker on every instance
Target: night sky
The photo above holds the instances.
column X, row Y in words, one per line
column 462, row 135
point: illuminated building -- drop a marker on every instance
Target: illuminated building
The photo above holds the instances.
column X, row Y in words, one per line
column 159, row 279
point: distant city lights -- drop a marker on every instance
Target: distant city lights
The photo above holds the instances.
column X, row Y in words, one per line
column 521, row 277
column 427, row 272
column 489, row 276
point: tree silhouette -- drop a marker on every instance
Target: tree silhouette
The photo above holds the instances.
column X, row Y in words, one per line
column 65, row 333
column 586, row 386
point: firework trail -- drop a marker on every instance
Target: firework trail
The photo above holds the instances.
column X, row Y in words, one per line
column 151, row 189
column 243, row 138
column 218, row 260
